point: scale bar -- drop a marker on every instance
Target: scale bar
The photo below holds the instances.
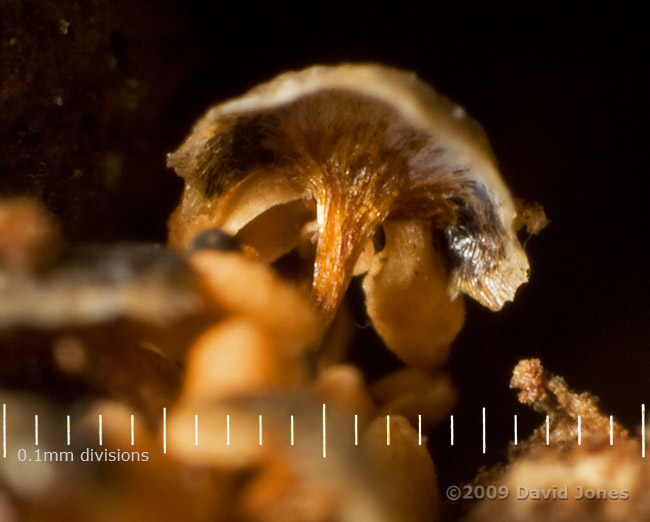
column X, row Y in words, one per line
column 579, row 430
column 324, row 434
column 324, row 419
column 643, row 431
column 484, row 430
column 164, row 430
column 387, row 430
column 356, row 430
column 611, row 430
column 4, row 430
column 548, row 429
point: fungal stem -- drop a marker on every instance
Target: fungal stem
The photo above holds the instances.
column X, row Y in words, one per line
column 345, row 224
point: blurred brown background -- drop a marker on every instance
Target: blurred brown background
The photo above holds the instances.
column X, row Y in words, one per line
column 94, row 94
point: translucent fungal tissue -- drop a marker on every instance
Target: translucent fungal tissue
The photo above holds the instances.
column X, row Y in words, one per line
column 335, row 160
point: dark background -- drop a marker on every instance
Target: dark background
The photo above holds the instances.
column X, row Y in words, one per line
column 562, row 94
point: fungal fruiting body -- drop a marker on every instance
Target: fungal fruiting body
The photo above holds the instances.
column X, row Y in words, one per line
column 332, row 155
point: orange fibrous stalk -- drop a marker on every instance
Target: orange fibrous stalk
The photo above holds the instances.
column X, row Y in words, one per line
column 351, row 203
column 342, row 232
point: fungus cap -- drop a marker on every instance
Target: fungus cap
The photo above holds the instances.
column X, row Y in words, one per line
column 350, row 146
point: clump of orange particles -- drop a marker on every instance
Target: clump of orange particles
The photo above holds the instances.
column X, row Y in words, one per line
column 582, row 476
column 549, row 393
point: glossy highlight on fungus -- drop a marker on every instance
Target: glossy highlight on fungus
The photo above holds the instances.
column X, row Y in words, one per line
column 321, row 160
